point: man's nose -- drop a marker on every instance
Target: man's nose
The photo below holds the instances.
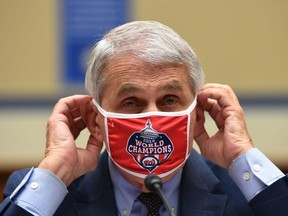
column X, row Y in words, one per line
column 151, row 107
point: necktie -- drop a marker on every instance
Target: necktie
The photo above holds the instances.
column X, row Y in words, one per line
column 152, row 201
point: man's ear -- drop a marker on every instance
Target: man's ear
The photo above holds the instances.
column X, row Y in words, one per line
column 95, row 124
column 99, row 129
column 200, row 120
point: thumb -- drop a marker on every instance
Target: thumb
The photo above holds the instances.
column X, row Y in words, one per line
column 88, row 157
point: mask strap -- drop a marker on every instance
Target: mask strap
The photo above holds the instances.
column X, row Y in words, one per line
column 191, row 107
column 100, row 109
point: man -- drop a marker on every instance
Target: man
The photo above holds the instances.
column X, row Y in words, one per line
column 144, row 82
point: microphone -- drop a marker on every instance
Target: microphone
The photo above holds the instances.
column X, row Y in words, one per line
column 154, row 184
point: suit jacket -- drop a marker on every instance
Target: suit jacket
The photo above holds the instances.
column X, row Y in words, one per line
column 206, row 189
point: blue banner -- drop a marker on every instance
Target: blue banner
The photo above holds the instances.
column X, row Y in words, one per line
column 84, row 23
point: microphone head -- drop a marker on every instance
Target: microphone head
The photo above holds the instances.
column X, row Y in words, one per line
column 153, row 183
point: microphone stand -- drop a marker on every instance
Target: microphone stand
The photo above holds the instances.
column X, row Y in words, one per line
column 154, row 184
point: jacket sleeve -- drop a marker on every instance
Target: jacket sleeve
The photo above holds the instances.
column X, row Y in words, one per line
column 8, row 207
column 273, row 200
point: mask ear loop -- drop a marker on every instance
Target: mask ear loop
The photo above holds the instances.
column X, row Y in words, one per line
column 191, row 107
column 100, row 109
column 104, row 113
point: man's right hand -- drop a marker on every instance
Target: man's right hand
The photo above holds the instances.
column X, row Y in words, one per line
column 62, row 157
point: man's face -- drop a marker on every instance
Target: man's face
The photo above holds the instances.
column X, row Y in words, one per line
column 133, row 86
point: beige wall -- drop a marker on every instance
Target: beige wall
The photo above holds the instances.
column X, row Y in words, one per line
column 28, row 48
column 240, row 43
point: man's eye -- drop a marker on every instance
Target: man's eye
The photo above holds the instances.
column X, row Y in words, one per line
column 170, row 100
column 129, row 103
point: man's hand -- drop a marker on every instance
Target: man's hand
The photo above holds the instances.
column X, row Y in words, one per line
column 70, row 116
column 232, row 138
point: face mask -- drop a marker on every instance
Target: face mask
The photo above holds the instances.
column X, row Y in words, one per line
column 152, row 142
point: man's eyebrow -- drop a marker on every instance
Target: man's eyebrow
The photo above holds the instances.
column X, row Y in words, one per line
column 132, row 88
column 128, row 89
column 174, row 85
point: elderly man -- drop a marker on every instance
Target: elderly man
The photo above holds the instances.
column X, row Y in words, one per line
column 144, row 82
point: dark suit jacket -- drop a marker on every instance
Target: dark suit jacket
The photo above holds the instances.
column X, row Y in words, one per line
column 206, row 189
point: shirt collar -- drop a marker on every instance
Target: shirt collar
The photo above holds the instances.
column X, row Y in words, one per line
column 126, row 193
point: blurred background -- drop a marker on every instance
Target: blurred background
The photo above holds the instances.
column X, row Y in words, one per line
column 44, row 47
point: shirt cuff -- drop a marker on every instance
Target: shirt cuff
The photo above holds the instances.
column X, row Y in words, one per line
column 253, row 172
column 40, row 192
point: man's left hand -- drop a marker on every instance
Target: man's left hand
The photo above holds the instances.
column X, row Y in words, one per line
column 232, row 138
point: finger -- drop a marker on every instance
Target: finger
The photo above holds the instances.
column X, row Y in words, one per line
column 75, row 112
column 222, row 93
column 215, row 111
column 86, row 119
column 69, row 109
column 77, row 126
column 212, row 107
column 93, row 150
column 70, row 104
column 225, row 98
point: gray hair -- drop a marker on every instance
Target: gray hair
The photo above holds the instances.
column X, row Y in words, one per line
column 149, row 41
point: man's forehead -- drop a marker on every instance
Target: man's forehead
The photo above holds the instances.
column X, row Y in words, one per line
column 126, row 74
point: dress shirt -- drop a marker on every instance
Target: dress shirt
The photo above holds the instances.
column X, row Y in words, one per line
column 126, row 194
column 252, row 172
column 38, row 188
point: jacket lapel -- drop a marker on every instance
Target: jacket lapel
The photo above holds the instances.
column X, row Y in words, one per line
column 95, row 192
column 197, row 196
column 197, row 192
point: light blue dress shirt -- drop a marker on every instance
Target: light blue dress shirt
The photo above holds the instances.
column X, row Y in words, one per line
column 126, row 194
column 252, row 172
